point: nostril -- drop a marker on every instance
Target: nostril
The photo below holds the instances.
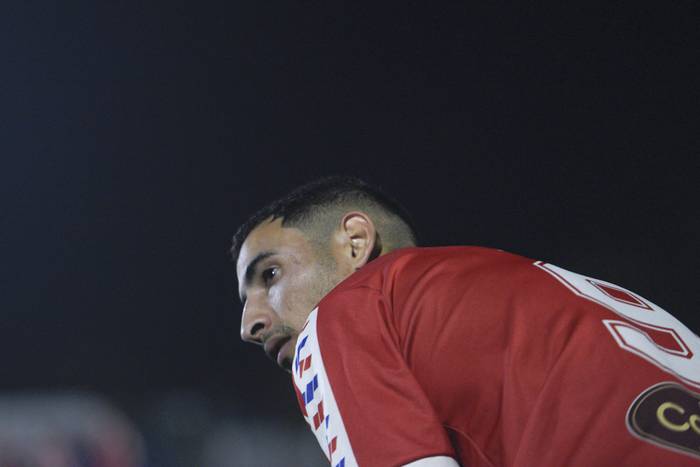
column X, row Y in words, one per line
column 257, row 327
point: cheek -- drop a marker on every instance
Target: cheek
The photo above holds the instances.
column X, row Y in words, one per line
column 285, row 296
column 295, row 297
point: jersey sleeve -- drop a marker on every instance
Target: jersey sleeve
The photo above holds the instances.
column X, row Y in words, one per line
column 356, row 390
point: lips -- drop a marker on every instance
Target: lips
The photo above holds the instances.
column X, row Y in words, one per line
column 273, row 345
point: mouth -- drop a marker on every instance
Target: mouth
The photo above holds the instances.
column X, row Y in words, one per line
column 276, row 348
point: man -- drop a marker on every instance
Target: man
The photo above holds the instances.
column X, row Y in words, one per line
column 458, row 355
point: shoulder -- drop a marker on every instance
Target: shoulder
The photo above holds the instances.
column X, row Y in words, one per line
column 408, row 271
column 374, row 293
column 407, row 262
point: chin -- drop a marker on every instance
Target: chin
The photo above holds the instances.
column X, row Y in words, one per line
column 287, row 357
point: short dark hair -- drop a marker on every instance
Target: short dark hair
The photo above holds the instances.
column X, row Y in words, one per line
column 301, row 205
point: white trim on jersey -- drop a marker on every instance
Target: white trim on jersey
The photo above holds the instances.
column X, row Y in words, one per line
column 438, row 461
column 322, row 414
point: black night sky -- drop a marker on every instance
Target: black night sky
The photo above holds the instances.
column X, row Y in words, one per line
column 136, row 137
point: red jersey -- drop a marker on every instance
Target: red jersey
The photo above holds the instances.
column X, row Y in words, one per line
column 495, row 360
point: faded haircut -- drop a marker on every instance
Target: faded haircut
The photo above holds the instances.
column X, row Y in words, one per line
column 317, row 207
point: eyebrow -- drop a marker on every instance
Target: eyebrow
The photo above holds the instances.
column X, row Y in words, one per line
column 250, row 271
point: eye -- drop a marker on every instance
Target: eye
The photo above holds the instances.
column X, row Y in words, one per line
column 269, row 274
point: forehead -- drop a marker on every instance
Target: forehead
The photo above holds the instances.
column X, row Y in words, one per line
column 274, row 238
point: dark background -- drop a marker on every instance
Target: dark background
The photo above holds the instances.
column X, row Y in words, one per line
column 135, row 138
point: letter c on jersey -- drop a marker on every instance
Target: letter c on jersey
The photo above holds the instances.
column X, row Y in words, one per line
column 661, row 416
column 668, row 415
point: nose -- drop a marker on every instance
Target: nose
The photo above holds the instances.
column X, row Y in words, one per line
column 255, row 322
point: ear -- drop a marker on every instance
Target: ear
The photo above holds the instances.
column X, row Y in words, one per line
column 358, row 239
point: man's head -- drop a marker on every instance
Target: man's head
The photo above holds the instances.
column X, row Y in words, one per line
column 290, row 254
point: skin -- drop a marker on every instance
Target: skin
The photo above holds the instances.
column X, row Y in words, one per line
column 282, row 276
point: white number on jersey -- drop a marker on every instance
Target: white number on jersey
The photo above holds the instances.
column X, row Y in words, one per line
column 647, row 329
